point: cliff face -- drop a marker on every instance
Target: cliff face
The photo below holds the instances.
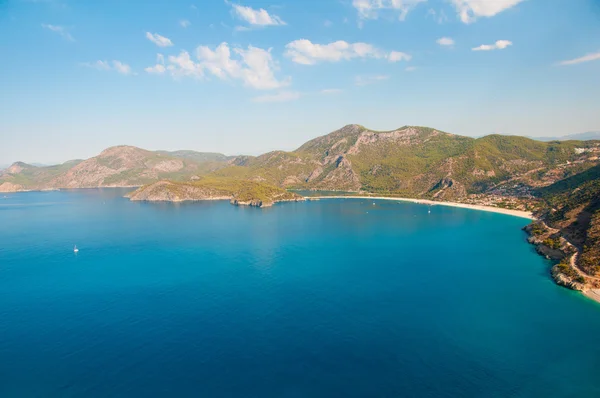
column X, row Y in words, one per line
column 238, row 192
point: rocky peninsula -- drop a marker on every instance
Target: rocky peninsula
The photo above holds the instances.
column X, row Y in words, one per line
column 238, row 192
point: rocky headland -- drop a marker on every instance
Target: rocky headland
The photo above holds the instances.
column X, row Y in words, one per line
column 238, row 192
column 568, row 231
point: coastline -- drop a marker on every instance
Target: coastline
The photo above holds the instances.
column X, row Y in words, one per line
column 593, row 294
column 515, row 213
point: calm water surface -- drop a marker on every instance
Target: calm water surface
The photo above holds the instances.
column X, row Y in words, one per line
column 336, row 298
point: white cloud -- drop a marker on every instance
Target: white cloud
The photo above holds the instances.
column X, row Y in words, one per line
column 370, row 9
column 122, row 68
column 332, row 91
column 445, row 41
column 283, row 96
column 365, row 80
column 157, row 69
column 116, row 66
column 159, row 40
column 396, row 56
column 306, row 53
column 499, row 45
column 470, row 10
column 61, row 30
column 184, row 23
column 183, row 65
column 254, row 17
column 585, row 58
column 253, row 66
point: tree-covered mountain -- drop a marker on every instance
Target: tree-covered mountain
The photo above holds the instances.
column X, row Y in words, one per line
column 418, row 162
column 409, row 161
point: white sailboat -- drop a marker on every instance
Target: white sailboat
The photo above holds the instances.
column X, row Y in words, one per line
column 75, row 249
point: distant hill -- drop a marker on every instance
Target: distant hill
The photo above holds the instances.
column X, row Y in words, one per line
column 200, row 157
column 115, row 167
column 590, row 135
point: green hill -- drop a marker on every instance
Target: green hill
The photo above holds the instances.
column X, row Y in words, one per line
column 417, row 161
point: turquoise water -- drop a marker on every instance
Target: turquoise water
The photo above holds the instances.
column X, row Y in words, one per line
column 335, row 298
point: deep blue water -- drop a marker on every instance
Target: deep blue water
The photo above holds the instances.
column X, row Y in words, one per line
column 336, row 298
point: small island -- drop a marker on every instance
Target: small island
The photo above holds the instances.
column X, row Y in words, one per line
column 238, row 192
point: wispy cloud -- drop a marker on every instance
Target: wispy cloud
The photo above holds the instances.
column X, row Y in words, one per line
column 61, row 30
column 410, row 68
column 253, row 66
column 330, row 91
column 585, row 58
column 445, row 41
column 284, row 96
column 184, row 23
column 438, row 16
column 307, row 53
column 98, row 65
column 159, row 40
column 259, row 18
column 366, row 80
column 469, row 10
column 116, row 66
column 499, row 45
column 371, row 9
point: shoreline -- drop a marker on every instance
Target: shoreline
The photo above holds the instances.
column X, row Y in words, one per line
column 509, row 212
column 592, row 294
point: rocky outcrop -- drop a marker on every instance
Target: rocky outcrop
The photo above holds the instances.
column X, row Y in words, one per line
column 342, row 177
column 251, row 203
column 567, row 281
column 10, row 187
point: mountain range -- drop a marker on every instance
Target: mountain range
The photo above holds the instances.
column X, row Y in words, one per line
column 590, row 135
column 410, row 161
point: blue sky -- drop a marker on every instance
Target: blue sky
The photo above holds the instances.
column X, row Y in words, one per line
column 256, row 75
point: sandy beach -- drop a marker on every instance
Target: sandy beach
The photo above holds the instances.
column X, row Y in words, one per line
column 594, row 294
column 515, row 213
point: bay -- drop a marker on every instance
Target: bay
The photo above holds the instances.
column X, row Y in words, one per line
column 339, row 297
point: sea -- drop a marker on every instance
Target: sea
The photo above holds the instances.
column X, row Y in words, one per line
column 330, row 298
